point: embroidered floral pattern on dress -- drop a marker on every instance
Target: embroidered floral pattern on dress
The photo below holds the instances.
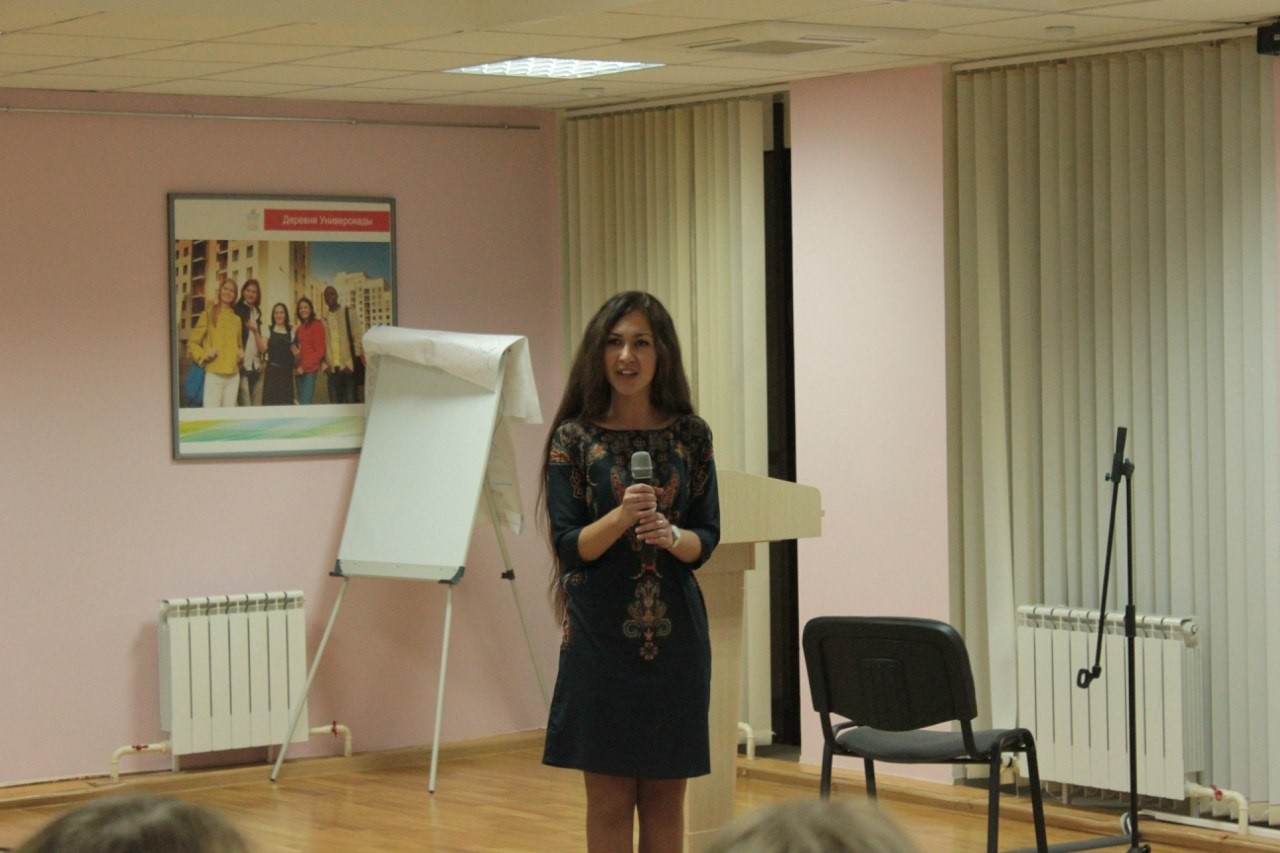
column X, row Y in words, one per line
column 648, row 617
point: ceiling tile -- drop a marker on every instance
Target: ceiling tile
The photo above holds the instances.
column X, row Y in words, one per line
column 86, row 46
column 11, row 62
column 1195, row 10
column 335, row 35
column 146, row 26
column 357, row 94
column 395, row 59
column 702, row 74
column 13, row 17
column 1085, row 26
column 225, row 51
column 454, row 83
column 506, row 99
column 512, row 44
column 963, row 45
column 300, row 75
column 613, row 25
column 68, row 82
column 230, row 88
column 935, row 16
column 151, row 68
column 741, row 10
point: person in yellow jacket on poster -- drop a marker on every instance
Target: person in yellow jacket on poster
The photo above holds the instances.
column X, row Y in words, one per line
column 215, row 344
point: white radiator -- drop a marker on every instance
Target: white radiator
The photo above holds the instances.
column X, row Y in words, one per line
column 230, row 668
column 1082, row 734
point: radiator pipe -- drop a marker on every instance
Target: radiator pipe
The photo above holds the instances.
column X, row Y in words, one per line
column 162, row 746
column 750, row 733
column 1213, row 792
column 335, row 728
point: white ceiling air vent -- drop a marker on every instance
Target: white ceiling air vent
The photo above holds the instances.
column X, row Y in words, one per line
column 778, row 38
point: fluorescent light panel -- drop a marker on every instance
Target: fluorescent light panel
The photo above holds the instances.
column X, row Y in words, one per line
column 542, row 66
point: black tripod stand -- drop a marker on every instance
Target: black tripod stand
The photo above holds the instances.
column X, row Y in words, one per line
column 1121, row 468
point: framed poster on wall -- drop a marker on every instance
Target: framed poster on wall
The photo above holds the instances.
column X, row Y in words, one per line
column 269, row 299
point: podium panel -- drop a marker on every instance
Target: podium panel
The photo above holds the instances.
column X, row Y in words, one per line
column 753, row 510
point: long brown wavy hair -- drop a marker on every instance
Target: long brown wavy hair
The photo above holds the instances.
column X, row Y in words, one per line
column 588, row 395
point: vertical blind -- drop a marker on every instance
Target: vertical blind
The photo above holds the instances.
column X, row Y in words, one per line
column 1117, row 267
column 671, row 201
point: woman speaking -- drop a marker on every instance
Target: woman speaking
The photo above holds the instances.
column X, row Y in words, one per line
column 633, row 690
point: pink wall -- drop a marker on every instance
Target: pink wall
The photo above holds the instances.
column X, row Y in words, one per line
column 871, row 430
column 99, row 523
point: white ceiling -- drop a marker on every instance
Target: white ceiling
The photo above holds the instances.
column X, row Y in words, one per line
column 395, row 51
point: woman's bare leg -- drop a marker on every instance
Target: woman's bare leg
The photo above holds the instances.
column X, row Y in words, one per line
column 611, row 808
column 660, row 803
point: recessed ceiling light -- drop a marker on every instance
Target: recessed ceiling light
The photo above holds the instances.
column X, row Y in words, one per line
column 542, row 66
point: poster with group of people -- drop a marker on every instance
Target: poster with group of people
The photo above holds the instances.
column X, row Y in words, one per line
column 270, row 301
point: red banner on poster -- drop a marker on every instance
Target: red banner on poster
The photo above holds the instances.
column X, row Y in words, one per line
column 284, row 219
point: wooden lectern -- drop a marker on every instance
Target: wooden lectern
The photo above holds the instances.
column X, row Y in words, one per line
column 753, row 510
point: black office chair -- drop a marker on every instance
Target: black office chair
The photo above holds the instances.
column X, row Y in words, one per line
column 891, row 678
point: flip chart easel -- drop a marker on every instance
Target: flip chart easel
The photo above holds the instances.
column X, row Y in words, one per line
column 436, row 449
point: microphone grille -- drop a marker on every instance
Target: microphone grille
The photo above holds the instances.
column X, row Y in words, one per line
column 641, row 466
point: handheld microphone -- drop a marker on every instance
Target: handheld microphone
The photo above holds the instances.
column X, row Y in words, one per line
column 641, row 467
column 642, row 472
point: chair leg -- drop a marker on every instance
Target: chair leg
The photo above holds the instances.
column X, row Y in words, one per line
column 824, row 787
column 1037, row 800
column 870, row 769
column 993, row 804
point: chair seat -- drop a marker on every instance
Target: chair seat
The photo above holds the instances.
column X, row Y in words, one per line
column 925, row 747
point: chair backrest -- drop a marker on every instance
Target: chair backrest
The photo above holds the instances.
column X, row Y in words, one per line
column 894, row 673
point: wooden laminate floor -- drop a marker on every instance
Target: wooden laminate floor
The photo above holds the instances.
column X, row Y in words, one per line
column 502, row 800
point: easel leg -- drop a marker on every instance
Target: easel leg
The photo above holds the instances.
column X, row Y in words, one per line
column 444, row 661
column 296, row 713
column 537, row 673
column 510, row 574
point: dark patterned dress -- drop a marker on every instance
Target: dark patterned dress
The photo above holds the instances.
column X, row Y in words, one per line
column 278, row 387
column 634, row 685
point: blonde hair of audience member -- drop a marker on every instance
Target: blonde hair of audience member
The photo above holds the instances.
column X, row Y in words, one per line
column 813, row 826
column 137, row 823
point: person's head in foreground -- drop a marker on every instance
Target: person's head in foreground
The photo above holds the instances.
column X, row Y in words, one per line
column 137, row 823
column 813, row 826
